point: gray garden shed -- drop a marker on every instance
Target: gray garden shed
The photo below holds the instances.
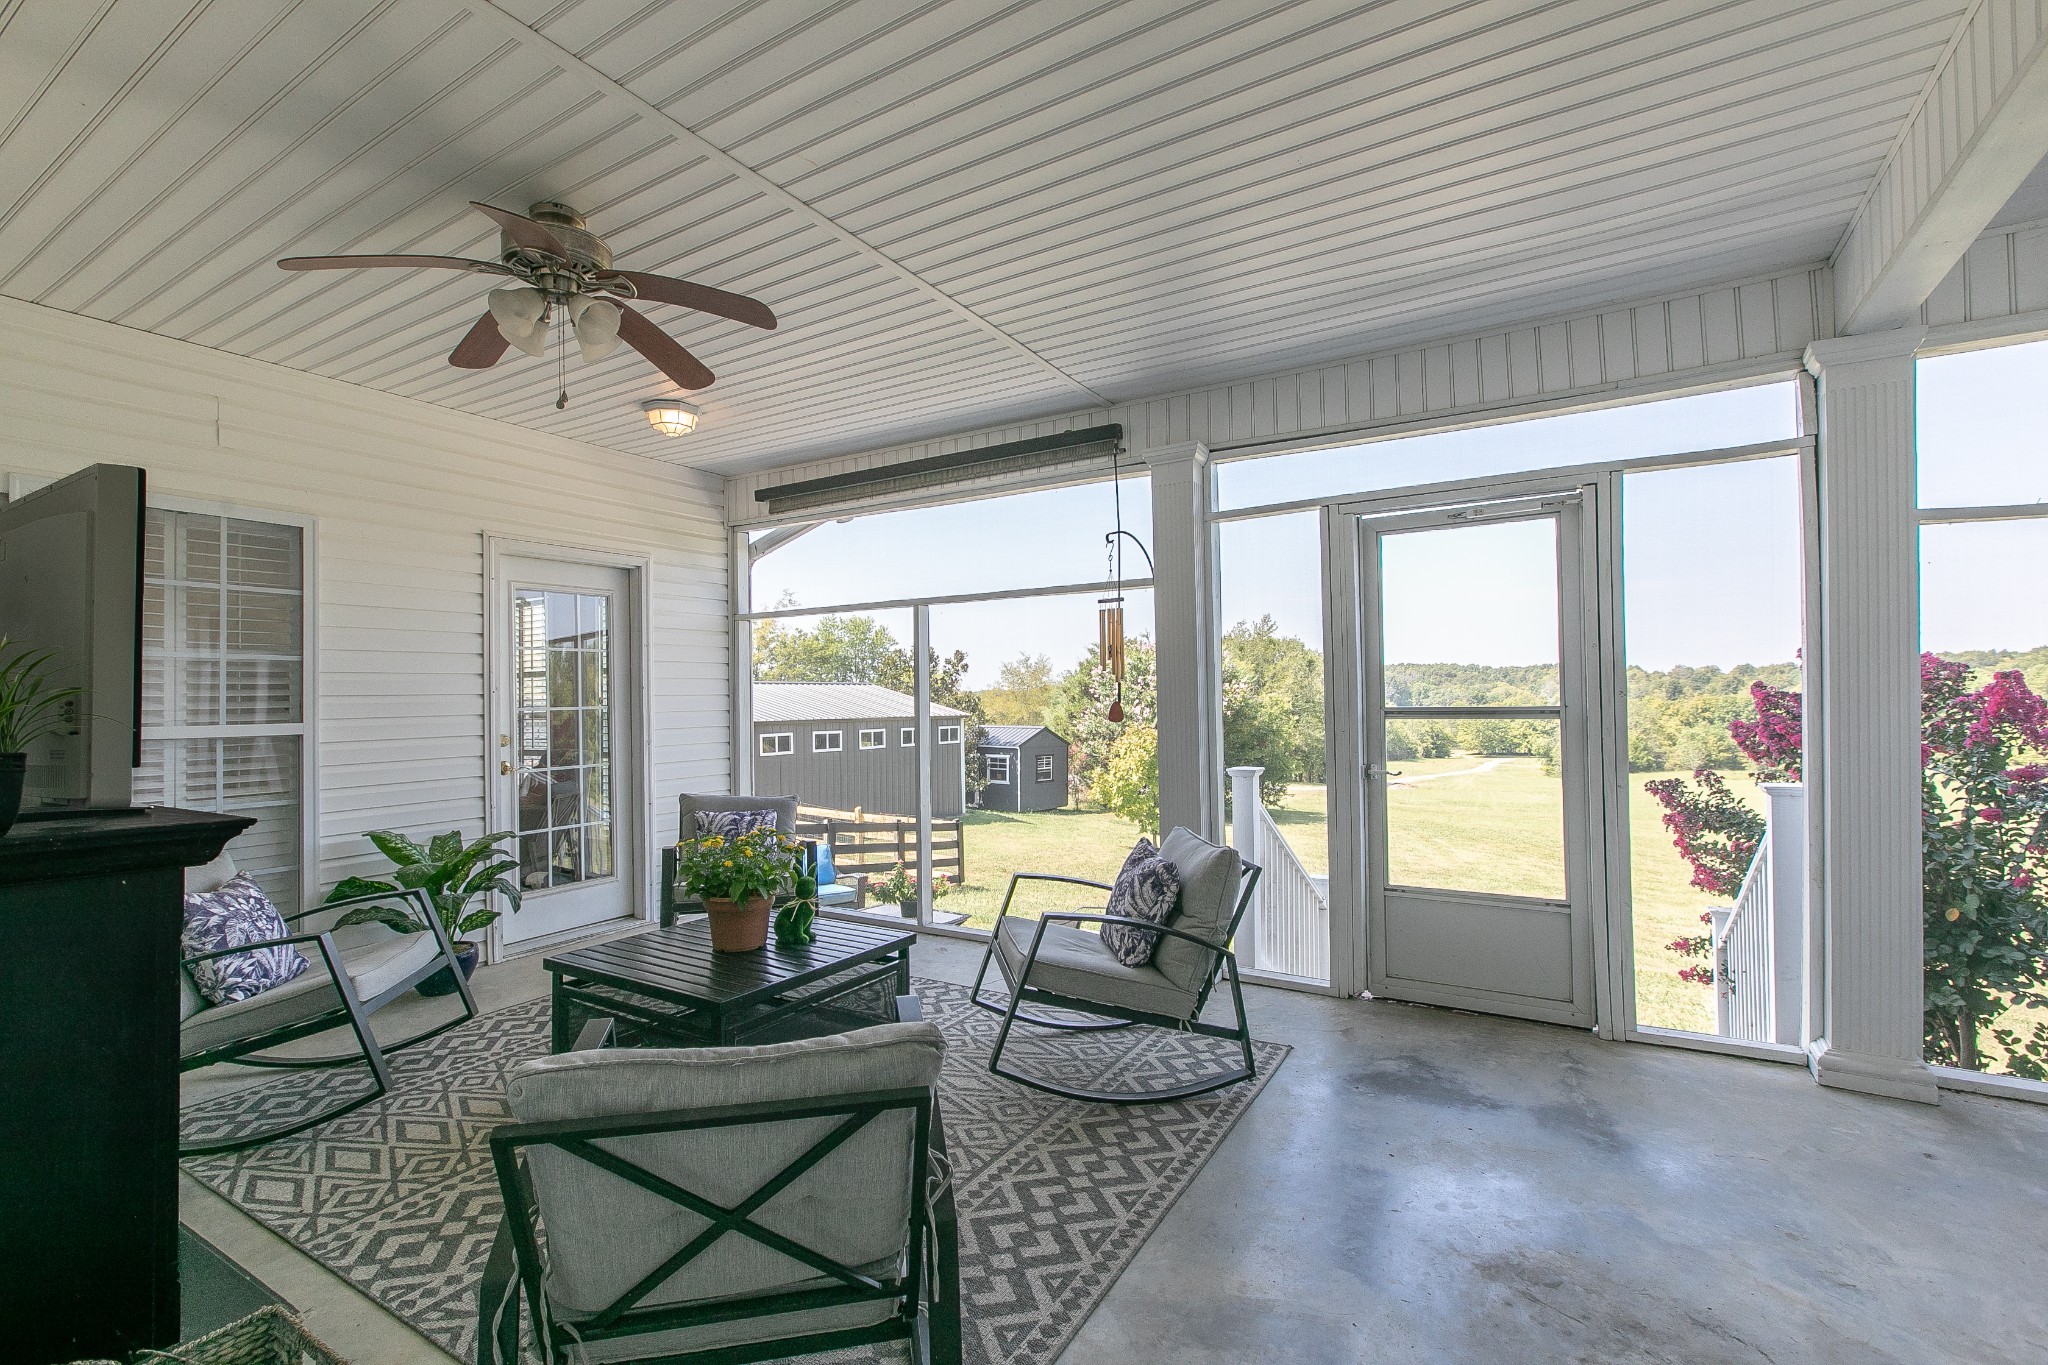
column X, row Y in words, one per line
column 1025, row 767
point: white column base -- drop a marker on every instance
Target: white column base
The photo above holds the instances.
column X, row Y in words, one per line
column 1870, row 1074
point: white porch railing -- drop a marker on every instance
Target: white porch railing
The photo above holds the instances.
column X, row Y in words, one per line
column 1287, row 928
column 1759, row 943
column 1742, row 955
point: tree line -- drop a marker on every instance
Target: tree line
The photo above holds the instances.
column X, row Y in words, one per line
column 1273, row 704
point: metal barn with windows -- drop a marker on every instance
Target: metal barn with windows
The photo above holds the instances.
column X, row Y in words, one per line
column 1024, row 768
column 852, row 746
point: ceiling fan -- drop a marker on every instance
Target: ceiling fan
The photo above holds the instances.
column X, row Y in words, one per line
column 565, row 274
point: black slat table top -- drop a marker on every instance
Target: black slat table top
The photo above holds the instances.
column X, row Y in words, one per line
column 679, row 963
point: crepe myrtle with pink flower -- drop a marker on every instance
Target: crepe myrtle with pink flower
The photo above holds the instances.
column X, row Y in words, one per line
column 1984, row 819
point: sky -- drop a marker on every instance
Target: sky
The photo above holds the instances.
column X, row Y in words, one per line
column 1983, row 416
column 1711, row 554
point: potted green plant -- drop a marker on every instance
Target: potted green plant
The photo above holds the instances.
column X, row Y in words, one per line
column 29, row 709
column 455, row 877
column 900, row 889
column 737, row 880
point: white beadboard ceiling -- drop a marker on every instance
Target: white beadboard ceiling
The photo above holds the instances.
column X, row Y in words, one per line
column 965, row 212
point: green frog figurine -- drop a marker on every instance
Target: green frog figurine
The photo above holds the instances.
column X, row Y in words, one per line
column 793, row 921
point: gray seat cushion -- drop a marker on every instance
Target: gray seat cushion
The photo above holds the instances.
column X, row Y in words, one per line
column 1075, row 962
column 373, row 967
column 689, row 803
column 604, row 1234
column 1209, row 878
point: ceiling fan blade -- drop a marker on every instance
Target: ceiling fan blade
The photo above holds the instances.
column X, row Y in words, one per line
column 702, row 297
column 658, row 346
column 524, row 231
column 410, row 262
column 481, row 346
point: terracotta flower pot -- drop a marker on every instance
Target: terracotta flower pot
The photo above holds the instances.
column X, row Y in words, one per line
column 738, row 926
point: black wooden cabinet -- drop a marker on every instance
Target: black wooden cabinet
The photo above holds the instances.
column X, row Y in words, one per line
column 89, row 919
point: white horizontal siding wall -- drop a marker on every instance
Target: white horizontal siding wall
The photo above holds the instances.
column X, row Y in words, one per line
column 403, row 494
column 1696, row 338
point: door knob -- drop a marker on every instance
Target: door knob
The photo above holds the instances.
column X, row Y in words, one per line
column 504, row 768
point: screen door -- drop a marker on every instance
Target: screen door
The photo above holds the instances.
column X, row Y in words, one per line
column 1476, row 785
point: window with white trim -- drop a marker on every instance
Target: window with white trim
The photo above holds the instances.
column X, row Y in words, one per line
column 827, row 741
column 949, row 734
column 1045, row 767
column 223, row 684
column 874, row 739
column 997, row 767
column 909, row 737
column 777, row 743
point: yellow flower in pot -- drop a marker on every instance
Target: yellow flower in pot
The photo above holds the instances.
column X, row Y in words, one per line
column 737, row 880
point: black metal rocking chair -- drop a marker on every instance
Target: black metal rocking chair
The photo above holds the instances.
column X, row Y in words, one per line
column 1068, row 968
column 364, row 978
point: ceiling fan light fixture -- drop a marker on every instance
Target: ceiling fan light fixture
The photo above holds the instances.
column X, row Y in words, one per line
column 596, row 323
column 522, row 316
column 557, row 260
column 671, row 416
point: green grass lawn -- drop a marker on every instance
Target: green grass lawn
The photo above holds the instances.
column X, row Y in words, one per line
column 1491, row 831
column 1076, row 843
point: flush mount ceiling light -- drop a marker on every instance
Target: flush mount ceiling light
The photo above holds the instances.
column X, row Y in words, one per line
column 671, row 416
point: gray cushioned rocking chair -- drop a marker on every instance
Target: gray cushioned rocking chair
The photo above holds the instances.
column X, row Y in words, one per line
column 1053, row 961
column 725, row 1204
column 783, row 808
column 351, row 973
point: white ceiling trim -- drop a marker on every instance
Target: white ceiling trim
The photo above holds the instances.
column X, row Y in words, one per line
column 1979, row 129
column 1906, row 126
column 518, row 32
column 1718, row 336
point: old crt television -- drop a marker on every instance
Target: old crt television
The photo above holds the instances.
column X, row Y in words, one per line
column 71, row 583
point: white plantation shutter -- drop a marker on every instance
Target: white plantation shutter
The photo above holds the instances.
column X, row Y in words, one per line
column 223, row 683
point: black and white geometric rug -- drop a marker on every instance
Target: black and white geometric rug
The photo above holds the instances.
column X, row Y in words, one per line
column 1055, row 1197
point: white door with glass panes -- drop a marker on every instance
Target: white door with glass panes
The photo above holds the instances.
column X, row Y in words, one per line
column 567, row 752
column 1478, row 860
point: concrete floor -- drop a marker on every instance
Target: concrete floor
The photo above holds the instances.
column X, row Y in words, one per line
column 1423, row 1185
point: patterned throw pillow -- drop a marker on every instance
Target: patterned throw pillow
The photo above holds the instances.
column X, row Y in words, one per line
column 1148, row 888
column 731, row 824
column 235, row 913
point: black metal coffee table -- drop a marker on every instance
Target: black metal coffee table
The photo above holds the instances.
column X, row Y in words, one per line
column 667, row 986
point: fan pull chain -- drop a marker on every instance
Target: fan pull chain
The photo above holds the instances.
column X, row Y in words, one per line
column 562, row 363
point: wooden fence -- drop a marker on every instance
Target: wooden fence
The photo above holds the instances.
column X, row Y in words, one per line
column 873, row 844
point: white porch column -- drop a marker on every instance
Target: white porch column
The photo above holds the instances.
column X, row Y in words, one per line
column 1863, row 745
column 1185, row 637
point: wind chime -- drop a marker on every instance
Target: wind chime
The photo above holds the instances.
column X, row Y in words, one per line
column 1109, row 640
